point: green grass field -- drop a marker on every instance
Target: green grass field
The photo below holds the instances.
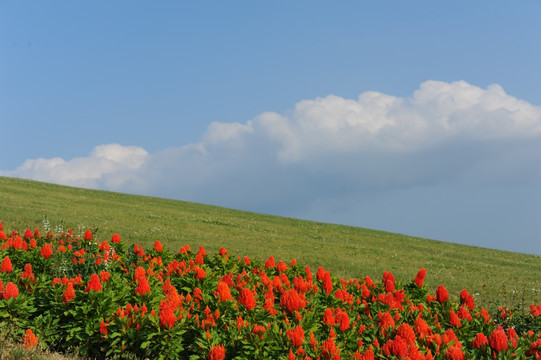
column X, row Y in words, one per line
column 496, row 278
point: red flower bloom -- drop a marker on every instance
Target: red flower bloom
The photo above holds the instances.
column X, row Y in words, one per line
column 11, row 291
column 388, row 281
column 167, row 315
column 28, row 274
column 385, row 321
column 270, row 262
column 88, row 235
column 419, row 279
column 441, row 294
column 467, row 299
column 327, row 282
column 454, row 320
column 6, row 265
column 330, row 349
column 103, row 328
column 454, row 353
column 28, row 234
column 291, row 300
column 217, row 353
column 69, row 293
column 328, row 317
column 94, row 283
column 30, row 340
column 223, row 291
column 296, row 336
column 142, row 285
column 406, row 332
column 158, row 247
column 480, row 341
column 342, row 318
column 247, row 298
column 46, row 251
column 281, row 267
column 104, row 276
column 115, row 238
column 498, row 340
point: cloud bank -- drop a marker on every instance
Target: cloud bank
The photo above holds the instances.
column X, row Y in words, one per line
column 328, row 152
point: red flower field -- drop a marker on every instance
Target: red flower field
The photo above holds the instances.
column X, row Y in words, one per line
column 104, row 299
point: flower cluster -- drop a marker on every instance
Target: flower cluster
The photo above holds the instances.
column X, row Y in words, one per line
column 110, row 300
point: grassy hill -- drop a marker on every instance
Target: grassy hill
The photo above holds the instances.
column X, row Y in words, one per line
column 494, row 277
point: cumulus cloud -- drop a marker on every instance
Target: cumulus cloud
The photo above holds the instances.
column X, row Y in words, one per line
column 328, row 148
column 107, row 167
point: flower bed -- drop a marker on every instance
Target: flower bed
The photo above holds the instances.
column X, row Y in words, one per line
column 105, row 299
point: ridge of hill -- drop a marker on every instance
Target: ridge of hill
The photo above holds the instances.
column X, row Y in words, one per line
column 495, row 278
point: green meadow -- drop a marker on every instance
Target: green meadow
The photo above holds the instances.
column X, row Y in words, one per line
column 495, row 278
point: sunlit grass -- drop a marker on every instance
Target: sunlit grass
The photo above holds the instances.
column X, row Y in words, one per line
column 495, row 277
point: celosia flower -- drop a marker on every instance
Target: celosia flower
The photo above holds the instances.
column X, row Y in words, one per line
column 406, row 332
column 454, row 320
column 6, row 265
column 291, row 300
column 88, row 235
column 342, row 318
column 296, row 336
column 441, row 294
column 103, row 328
column 480, row 341
column 28, row 274
column 498, row 340
column 328, row 317
column 28, row 234
column 247, row 298
column 143, row 286
column 454, row 352
column 69, row 293
column 329, row 348
column 94, row 283
column 388, row 281
column 115, row 238
column 217, row 353
column 467, row 299
column 385, row 321
column 270, row 262
column 104, row 276
column 281, row 267
column 11, row 291
column 419, row 279
column 167, row 315
column 158, row 247
column 30, row 340
column 223, row 291
column 327, row 282
column 46, row 251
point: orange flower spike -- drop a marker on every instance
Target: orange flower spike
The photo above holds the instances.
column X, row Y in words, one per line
column 88, row 235
column 6, row 265
column 94, row 283
column 30, row 340
column 103, row 328
column 46, row 251
column 11, row 291
column 217, row 353
column 441, row 294
column 419, row 279
column 158, row 247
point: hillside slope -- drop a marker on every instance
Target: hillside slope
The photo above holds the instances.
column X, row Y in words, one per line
column 495, row 277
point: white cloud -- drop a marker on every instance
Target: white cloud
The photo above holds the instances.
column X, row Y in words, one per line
column 107, row 166
column 327, row 148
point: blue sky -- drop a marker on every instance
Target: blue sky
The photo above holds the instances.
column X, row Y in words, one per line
column 421, row 118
